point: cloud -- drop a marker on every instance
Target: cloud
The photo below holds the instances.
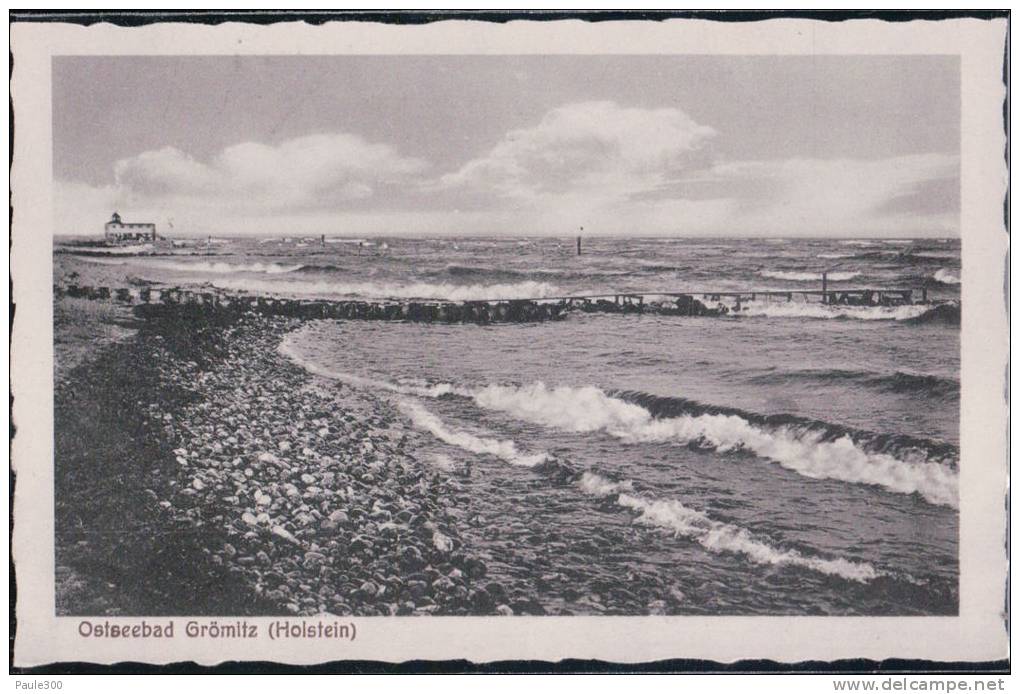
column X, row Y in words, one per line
column 312, row 171
column 597, row 147
column 609, row 168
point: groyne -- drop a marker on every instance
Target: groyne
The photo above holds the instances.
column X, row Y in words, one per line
column 153, row 299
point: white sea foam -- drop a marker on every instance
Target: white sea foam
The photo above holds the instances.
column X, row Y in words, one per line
column 898, row 242
column 113, row 250
column 580, row 410
column 835, row 255
column 937, row 255
column 795, row 276
column 424, row 390
column 502, row 449
column 945, row 276
column 857, row 242
column 203, row 266
column 372, row 290
column 223, row 268
column 713, row 535
column 590, row 409
column 717, row 536
column 340, row 240
column 804, row 309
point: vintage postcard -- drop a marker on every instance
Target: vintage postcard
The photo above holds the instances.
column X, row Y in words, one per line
column 617, row 340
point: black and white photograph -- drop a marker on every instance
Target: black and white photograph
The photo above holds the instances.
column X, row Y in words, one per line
column 345, row 336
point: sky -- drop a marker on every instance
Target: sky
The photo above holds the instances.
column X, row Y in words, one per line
column 852, row 146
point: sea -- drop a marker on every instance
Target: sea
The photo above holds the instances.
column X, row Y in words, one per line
column 787, row 458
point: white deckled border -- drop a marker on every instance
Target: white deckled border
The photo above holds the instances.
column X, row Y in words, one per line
column 977, row 634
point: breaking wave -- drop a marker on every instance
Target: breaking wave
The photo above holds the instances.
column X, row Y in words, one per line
column 418, row 388
column 218, row 267
column 713, row 535
column 504, row 450
column 111, row 250
column 372, row 290
column 716, row 536
column 339, row 240
column 803, row 309
column 222, row 268
column 794, row 276
column 936, row 255
column 483, row 272
column 812, row 449
column 945, row 276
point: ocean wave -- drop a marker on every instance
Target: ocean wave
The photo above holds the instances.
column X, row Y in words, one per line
column 372, row 290
column 814, row 449
column 415, row 387
column 223, row 268
column 111, row 250
column 804, row 309
column 322, row 269
column 899, row 382
column 795, row 276
column 502, row 449
column 945, row 276
column 808, row 449
column 483, row 272
column 835, row 255
column 714, row 535
column 908, row 448
column 936, row 255
column 217, row 267
column 945, row 314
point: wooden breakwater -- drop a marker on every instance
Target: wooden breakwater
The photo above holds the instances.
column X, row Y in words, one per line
column 482, row 311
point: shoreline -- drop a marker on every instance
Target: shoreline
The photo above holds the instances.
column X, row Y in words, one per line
column 257, row 488
column 198, row 471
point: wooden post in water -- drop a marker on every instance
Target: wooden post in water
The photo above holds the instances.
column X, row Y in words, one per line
column 825, row 285
column 322, row 240
column 579, row 243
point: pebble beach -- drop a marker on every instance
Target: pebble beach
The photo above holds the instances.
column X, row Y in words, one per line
column 302, row 501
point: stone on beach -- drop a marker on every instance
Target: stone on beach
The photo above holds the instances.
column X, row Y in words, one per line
column 323, row 508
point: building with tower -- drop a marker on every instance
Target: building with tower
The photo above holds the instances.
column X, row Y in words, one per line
column 119, row 231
